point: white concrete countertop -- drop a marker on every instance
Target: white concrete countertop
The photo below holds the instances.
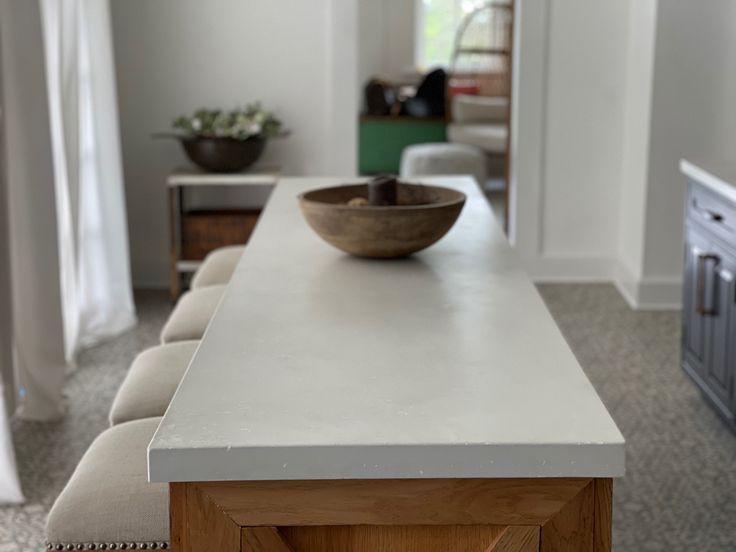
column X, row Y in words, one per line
column 318, row 365
column 719, row 176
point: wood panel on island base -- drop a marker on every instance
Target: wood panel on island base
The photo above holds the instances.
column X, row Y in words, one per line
column 409, row 515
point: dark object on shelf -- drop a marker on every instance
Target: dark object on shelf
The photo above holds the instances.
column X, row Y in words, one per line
column 422, row 215
column 708, row 307
column 382, row 190
column 380, row 97
column 429, row 101
column 223, row 155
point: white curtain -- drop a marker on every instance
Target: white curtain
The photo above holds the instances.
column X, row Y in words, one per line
column 37, row 330
column 69, row 265
column 96, row 295
column 10, row 491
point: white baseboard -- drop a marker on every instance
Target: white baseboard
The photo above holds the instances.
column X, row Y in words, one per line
column 659, row 294
column 648, row 293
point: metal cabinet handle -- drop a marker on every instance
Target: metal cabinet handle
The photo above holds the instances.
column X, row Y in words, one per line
column 700, row 308
column 712, row 215
column 708, row 214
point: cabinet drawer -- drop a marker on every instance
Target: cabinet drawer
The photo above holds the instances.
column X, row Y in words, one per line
column 711, row 211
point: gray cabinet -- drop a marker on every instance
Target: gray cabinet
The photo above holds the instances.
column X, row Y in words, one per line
column 709, row 298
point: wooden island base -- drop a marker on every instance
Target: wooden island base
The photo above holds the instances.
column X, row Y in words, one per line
column 409, row 515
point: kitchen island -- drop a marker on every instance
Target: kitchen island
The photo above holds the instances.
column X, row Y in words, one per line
column 427, row 403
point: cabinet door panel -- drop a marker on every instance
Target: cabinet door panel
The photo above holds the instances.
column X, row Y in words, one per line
column 693, row 321
column 720, row 330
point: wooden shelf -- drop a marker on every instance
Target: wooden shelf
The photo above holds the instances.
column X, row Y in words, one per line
column 196, row 232
column 192, row 176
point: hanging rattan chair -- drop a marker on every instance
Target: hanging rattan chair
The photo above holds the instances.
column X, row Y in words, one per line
column 481, row 55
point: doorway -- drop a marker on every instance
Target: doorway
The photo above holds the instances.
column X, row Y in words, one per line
column 400, row 43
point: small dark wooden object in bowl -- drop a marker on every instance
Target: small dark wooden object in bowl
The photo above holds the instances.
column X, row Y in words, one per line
column 421, row 216
column 223, row 155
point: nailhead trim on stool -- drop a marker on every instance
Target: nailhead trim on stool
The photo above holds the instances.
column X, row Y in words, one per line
column 108, row 546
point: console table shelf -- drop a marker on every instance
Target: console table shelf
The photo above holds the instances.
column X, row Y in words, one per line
column 194, row 232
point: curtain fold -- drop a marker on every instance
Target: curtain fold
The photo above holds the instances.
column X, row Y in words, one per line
column 10, row 491
column 97, row 300
column 39, row 356
column 69, row 265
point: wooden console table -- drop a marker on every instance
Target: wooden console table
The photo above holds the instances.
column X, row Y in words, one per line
column 196, row 232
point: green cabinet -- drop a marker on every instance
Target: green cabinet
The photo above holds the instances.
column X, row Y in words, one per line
column 382, row 139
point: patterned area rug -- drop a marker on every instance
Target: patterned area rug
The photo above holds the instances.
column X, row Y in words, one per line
column 679, row 490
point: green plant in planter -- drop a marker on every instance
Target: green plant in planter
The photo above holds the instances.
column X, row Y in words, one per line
column 239, row 124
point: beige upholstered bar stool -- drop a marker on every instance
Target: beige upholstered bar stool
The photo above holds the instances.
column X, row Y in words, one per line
column 192, row 314
column 152, row 381
column 108, row 503
column 217, row 267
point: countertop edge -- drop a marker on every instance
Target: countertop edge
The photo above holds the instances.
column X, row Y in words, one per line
column 708, row 178
column 395, row 462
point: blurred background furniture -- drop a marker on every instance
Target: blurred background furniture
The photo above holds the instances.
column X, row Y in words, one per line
column 195, row 231
column 396, row 116
column 480, row 121
column 443, row 159
column 481, row 56
column 382, row 139
column 479, row 91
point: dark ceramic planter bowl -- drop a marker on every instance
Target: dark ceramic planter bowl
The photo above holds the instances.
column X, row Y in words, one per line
column 223, row 155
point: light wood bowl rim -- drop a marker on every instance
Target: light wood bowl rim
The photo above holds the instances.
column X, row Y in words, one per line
column 461, row 198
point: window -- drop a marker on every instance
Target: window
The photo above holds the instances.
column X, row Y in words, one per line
column 437, row 24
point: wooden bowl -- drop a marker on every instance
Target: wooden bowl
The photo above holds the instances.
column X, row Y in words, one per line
column 422, row 216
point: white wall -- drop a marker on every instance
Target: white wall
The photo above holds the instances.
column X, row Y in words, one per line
column 371, row 40
column 635, row 161
column 400, row 22
column 692, row 116
column 683, row 73
column 608, row 97
column 568, row 125
column 173, row 56
column 585, row 104
column 386, row 39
